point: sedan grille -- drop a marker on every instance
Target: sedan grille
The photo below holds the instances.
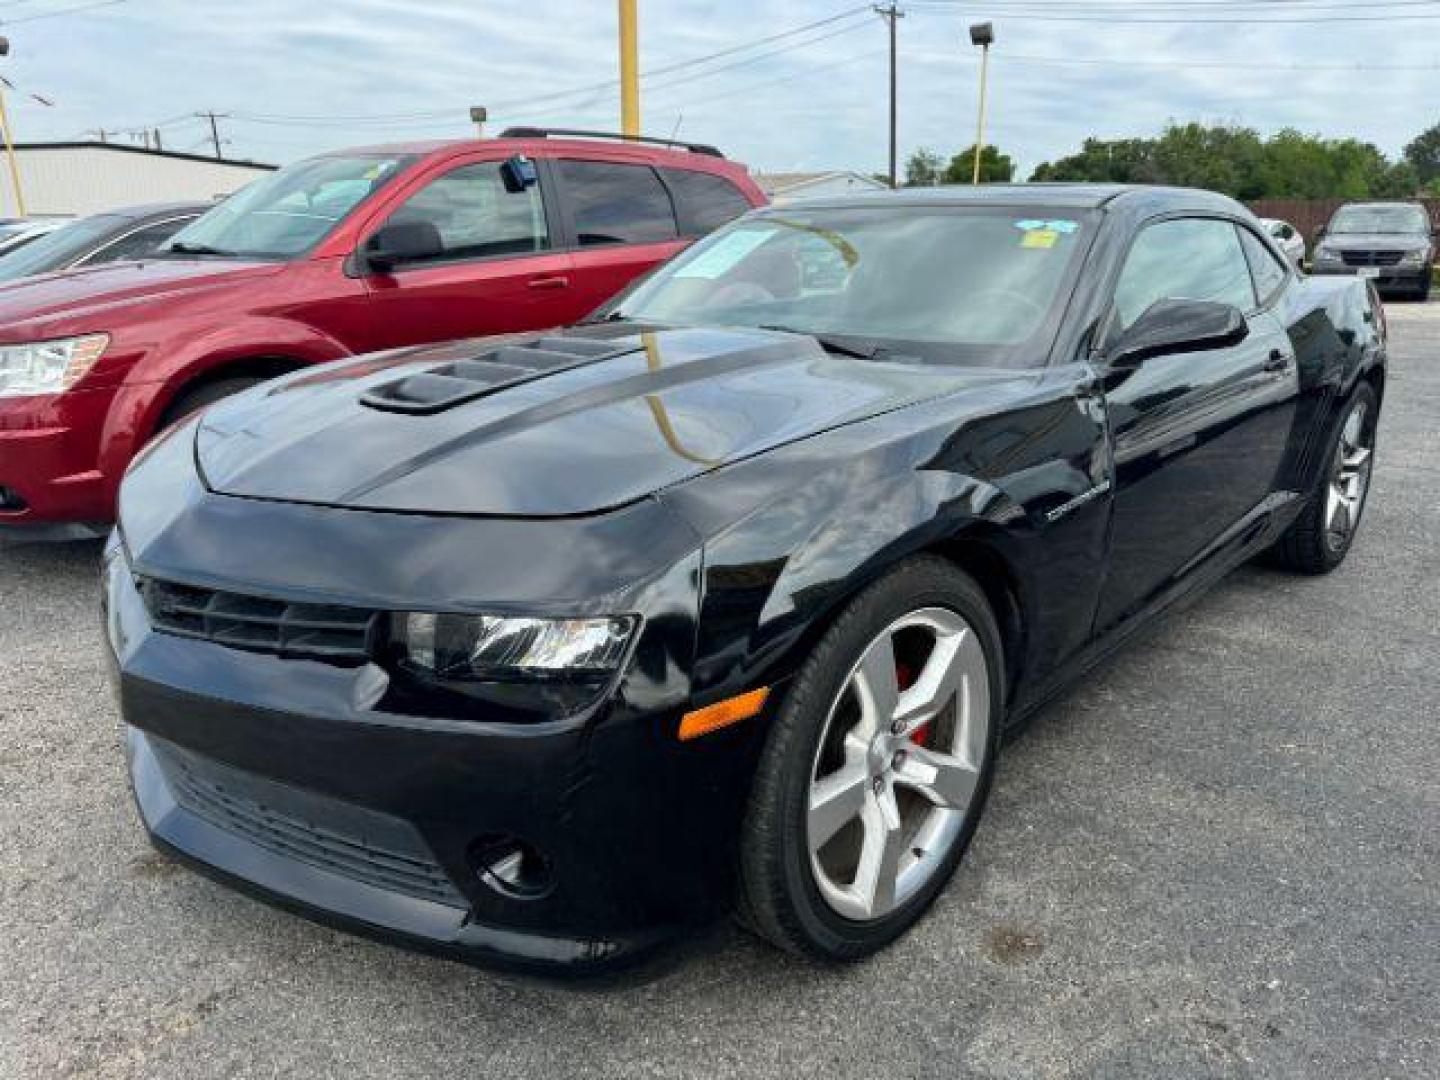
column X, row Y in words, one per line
column 1371, row 258
column 312, row 631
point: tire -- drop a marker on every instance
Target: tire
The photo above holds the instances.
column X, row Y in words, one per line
column 1310, row 545
column 786, row 895
column 198, row 397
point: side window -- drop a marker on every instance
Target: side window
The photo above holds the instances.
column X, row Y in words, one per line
column 140, row 243
column 1264, row 267
column 704, row 202
column 475, row 216
column 1183, row 259
column 617, row 204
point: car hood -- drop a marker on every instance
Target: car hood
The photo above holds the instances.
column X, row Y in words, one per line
column 1376, row 241
column 543, row 426
column 77, row 295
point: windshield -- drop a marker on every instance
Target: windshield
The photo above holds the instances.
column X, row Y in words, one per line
column 59, row 248
column 289, row 211
column 961, row 283
column 1380, row 219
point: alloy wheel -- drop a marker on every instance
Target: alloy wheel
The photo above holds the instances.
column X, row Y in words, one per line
column 1349, row 478
column 898, row 764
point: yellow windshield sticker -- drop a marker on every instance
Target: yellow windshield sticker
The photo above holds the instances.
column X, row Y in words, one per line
column 1039, row 238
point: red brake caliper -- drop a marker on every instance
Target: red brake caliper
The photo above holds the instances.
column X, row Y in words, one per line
column 905, row 677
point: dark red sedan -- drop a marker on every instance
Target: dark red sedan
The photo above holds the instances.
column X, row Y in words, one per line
column 351, row 252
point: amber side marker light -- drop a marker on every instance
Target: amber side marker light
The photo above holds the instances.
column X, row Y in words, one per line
column 722, row 714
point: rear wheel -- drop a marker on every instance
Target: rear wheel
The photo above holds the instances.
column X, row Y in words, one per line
column 877, row 768
column 1321, row 536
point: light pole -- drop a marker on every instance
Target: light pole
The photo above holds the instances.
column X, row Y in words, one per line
column 9, row 143
column 982, row 34
column 478, row 116
column 629, row 71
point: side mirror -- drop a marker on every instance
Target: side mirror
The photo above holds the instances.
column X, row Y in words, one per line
column 1321, row 232
column 1174, row 326
column 399, row 242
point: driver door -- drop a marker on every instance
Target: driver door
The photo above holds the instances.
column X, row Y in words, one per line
column 1198, row 436
column 496, row 271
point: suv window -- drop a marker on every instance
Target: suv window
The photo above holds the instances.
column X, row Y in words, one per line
column 476, row 216
column 617, row 204
column 703, row 202
column 1268, row 272
column 1183, row 259
column 141, row 242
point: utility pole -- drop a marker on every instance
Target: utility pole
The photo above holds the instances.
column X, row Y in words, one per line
column 891, row 14
column 629, row 71
column 214, row 129
column 9, row 143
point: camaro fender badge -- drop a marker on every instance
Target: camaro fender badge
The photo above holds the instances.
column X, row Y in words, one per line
column 1078, row 501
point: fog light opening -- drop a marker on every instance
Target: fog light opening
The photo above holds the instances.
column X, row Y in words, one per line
column 11, row 500
column 511, row 867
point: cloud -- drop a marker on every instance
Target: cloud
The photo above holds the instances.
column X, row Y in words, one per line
column 299, row 78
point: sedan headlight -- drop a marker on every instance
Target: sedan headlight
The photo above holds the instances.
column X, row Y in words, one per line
column 1415, row 258
column 501, row 647
column 48, row 367
column 1326, row 254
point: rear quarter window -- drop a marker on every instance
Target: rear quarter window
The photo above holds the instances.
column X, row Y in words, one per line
column 704, row 202
column 614, row 203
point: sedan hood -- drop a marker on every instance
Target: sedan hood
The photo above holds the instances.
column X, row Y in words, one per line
column 543, row 426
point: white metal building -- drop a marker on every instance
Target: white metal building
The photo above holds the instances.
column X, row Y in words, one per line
column 782, row 187
column 87, row 177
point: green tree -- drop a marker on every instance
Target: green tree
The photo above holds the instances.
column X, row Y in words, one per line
column 995, row 167
column 1423, row 155
column 924, row 168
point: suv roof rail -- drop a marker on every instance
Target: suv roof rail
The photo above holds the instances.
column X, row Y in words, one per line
column 546, row 133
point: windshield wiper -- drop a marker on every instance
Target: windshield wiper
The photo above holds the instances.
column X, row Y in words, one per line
column 185, row 248
column 832, row 344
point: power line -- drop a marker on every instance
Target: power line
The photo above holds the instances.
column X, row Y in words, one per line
column 60, row 11
column 1116, row 18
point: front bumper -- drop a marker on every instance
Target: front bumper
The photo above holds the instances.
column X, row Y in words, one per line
column 308, row 784
column 49, row 461
column 1388, row 277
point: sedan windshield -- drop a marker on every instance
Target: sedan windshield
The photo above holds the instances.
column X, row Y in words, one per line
column 59, row 248
column 955, row 283
column 288, row 212
column 1380, row 219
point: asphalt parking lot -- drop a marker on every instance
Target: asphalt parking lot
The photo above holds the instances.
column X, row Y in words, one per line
column 1220, row 856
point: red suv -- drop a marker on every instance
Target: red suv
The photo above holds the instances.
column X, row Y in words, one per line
column 346, row 253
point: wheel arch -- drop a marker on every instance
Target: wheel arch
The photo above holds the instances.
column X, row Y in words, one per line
column 268, row 365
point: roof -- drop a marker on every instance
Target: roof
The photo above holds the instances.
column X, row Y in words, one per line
column 1070, row 196
column 779, row 182
column 555, row 146
column 155, row 210
column 125, row 148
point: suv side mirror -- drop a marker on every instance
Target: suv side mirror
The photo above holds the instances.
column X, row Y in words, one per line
column 1173, row 326
column 398, row 242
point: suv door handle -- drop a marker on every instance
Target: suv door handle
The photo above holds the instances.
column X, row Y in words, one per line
column 558, row 281
column 1278, row 361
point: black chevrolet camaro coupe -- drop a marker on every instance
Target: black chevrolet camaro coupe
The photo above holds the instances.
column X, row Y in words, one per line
column 543, row 649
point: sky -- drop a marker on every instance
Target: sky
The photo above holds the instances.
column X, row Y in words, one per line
column 298, row 78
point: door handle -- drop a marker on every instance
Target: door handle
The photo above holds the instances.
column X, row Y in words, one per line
column 558, row 281
column 1277, row 361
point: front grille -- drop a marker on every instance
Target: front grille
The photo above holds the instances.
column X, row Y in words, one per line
column 313, row 631
column 352, row 841
column 1371, row 258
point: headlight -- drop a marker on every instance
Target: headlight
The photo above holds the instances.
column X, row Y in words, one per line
column 1326, row 254
column 498, row 647
column 48, row 367
column 1416, row 257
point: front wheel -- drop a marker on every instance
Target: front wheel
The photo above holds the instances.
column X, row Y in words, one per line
column 1319, row 539
column 877, row 767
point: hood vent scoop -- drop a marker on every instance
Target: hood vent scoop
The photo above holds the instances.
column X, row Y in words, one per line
column 456, row 383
